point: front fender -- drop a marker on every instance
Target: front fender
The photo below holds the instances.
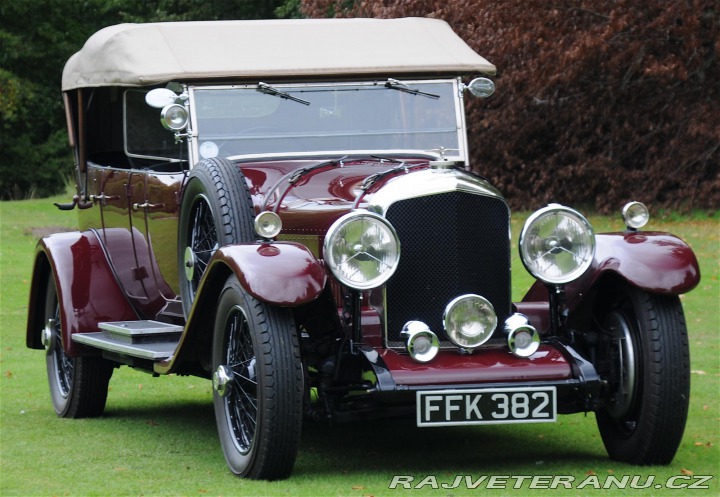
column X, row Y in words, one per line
column 282, row 273
column 658, row 262
column 87, row 289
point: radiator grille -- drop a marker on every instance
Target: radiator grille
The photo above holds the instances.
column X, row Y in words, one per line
column 452, row 244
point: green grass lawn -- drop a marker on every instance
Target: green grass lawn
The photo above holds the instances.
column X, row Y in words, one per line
column 158, row 435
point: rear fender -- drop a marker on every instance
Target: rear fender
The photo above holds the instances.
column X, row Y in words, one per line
column 659, row 263
column 284, row 274
column 88, row 291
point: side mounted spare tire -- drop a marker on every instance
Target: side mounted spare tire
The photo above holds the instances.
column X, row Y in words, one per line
column 216, row 210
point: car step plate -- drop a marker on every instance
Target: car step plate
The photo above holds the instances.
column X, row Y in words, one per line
column 486, row 406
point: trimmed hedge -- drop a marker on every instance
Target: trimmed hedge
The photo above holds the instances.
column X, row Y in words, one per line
column 597, row 102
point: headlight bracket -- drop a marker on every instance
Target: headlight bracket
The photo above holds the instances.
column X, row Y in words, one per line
column 558, row 310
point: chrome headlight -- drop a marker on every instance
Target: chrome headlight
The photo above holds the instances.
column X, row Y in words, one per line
column 362, row 250
column 469, row 321
column 557, row 244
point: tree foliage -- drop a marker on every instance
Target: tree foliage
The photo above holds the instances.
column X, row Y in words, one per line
column 36, row 38
column 598, row 102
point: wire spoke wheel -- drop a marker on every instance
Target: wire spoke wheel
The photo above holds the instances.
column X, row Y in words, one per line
column 203, row 242
column 61, row 364
column 241, row 403
column 78, row 385
column 257, row 384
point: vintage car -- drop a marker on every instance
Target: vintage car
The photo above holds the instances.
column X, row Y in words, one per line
column 288, row 209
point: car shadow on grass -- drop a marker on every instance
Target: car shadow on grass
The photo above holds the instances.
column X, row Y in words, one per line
column 393, row 445
column 397, row 445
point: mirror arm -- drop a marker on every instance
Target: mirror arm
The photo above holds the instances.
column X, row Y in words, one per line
column 71, row 205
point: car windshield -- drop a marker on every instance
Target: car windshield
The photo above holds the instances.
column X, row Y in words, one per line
column 276, row 119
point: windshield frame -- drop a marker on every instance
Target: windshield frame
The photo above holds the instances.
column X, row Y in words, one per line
column 460, row 155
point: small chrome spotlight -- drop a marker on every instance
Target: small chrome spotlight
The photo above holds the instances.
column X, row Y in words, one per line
column 635, row 215
column 422, row 344
column 268, row 225
column 522, row 337
column 174, row 117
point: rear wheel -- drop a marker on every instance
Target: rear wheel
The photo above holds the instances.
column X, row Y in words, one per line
column 216, row 210
column 78, row 385
column 644, row 357
column 257, row 384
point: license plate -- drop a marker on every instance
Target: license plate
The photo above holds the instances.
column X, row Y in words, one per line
column 486, row 406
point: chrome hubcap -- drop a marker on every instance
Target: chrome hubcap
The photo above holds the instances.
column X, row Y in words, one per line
column 189, row 260
column 47, row 337
column 222, row 381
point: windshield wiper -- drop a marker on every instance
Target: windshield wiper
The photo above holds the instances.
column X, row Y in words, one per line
column 269, row 90
column 399, row 85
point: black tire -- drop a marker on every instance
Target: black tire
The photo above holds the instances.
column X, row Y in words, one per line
column 78, row 385
column 257, row 385
column 216, row 210
column 644, row 356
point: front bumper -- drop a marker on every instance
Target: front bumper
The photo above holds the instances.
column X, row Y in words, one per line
column 554, row 364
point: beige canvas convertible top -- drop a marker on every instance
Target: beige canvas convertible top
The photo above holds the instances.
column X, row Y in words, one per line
column 144, row 54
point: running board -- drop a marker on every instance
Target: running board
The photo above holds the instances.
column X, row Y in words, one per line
column 151, row 340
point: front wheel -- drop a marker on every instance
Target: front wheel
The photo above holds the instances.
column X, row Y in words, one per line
column 257, row 385
column 78, row 385
column 645, row 360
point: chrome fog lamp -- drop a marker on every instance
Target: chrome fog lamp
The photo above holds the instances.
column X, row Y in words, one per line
column 362, row 250
column 522, row 337
column 557, row 244
column 174, row 117
column 469, row 321
column 635, row 215
column 422, row 344
column 267, row 224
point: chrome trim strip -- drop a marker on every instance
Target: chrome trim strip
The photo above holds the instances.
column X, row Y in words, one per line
column 427, row 182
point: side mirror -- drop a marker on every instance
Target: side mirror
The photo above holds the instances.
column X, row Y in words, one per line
column 481, row 87
column 160, row 98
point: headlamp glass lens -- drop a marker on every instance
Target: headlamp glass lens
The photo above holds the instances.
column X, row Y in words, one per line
column 362, row 250
column 557, row 244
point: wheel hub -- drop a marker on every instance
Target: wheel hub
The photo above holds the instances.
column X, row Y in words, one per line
column 189, row 262
column 222, row 381
column 47, row 337
column 625, row 364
